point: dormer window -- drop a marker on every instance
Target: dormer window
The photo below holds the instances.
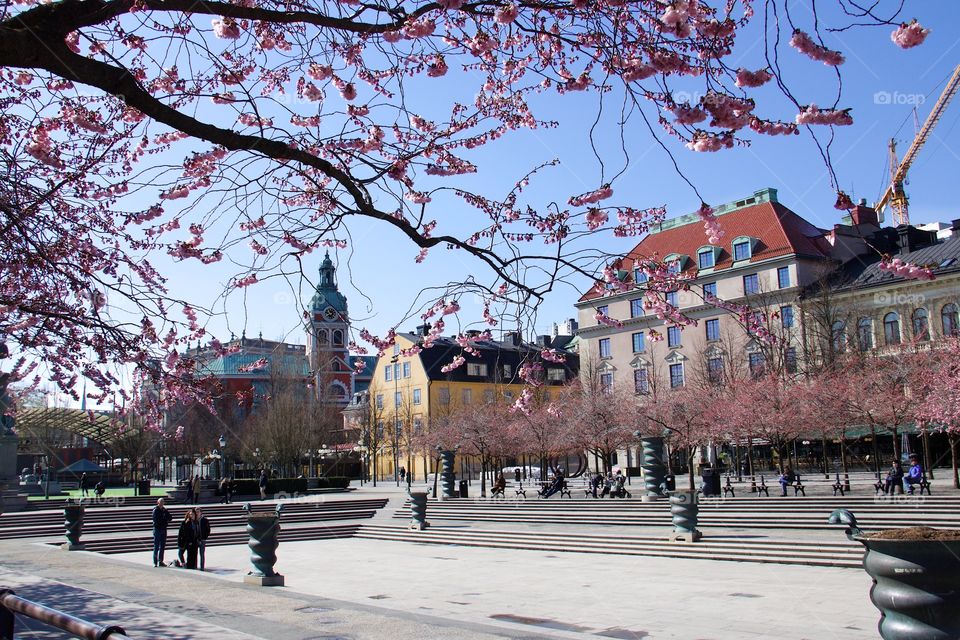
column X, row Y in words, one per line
column 675, row 262
column 707, row 256
column 639, row 276
column 743, row 248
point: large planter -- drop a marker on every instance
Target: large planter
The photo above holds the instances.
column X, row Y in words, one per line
column 73, row 526
column 418, row 510
column 654, row 471
column 684, row 511
column 447, row 475
column 262, row 528
column 915, row 579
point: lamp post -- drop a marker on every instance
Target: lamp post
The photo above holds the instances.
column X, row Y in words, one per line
column 396, row 419
column 223, row 457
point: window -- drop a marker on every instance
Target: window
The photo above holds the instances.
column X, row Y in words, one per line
column 949, row 318
column 891, row 328
column 406, row 369
column 556, row 374
column 639, row 344
column 416, row 396
column 710, row 289
column 715, row 370
column 641, row 383
column 397, row 398
column 444, row 395
column 741, row 250
column 388, row 373
column 921, row 324
column 676, row 375
column 396, row 371
column 636, row 308
column 488, row 395
column 713, row 329
column 673, row 336
column 783, row 277
column 467, row 396
column 379, row 401
column 603, row 310
column 417, row 425
column 640, row 276
column 838, row 335
column 478, row 369
column 508, row 395
column 323, row 336
column 790, row 359
column 786, row 317
column 705, row 258
column 396, row 349
column 674, row 266
column 673, row 298
column 865, row 334
column 751, row 284
column 507, row 371
column 606, row 382
column 756, row 363
column 338, row 338
column 605, row 347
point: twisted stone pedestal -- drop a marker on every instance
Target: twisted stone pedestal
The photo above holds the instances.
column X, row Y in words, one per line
column 262, row 529
column 684, row 511
column 73, row 524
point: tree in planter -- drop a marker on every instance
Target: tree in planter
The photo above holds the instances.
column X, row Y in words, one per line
column 938, row 402
column 678, row 414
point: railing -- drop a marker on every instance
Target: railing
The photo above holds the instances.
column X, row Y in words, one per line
column 10, row 604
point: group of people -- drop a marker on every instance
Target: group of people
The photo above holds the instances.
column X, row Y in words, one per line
column 191, row 537
column 898, row 480
column 98, row 489
column 611, row 485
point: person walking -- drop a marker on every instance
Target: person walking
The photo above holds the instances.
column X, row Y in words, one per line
column 263, row 484
column 189, row 490
column 84, row 485
column 403, row 474
column 187, row 542
column 161, row 520
column 196, row 489
column 202, row 530
column 226, row 488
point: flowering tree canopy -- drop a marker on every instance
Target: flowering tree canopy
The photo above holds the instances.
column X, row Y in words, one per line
column 254, row 131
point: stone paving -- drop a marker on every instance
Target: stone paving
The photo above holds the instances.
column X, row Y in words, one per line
column 371, row 589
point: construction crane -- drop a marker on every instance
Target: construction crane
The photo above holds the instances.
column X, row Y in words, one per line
column 894, row 196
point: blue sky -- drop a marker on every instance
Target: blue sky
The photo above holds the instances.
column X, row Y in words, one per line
column 881, row 83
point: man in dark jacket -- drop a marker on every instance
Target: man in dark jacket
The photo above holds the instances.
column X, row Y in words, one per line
column 263, row 484
column 84, row 485
column 161, row 519
column 226, row 490
column 202, row 525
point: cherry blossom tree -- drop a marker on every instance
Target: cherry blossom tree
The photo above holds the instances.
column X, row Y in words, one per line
column 679, row 414
column 938, row 401
column 253, row 132
column 602, row 421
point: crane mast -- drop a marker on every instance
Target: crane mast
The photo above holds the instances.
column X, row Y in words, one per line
column 894, row 196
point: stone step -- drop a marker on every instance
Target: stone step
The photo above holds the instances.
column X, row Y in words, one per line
column 778, row 552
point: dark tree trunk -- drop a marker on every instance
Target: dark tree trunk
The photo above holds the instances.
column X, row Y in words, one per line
column 953, row 460
column 925, row 438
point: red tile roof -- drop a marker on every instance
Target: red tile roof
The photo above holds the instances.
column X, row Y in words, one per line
column 778, row 230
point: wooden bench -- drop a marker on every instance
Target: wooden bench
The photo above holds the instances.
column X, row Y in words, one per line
column 728, row 488
column 798, row 487
column 521, row 491
column 878, row 487
column 924, row 484
column 763, row 488
column 837, row 486
column 497, row 492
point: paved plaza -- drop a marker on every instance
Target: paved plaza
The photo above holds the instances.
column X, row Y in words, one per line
column 357, row 587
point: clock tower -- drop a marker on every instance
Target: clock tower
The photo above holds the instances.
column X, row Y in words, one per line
column 328, row 333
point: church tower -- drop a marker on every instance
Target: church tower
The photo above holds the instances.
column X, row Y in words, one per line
column 328, row 331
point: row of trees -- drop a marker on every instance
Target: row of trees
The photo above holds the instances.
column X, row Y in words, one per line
column 880, row 393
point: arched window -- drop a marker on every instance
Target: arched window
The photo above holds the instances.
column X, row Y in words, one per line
column 865, row 334
column 336, row 391
column 950, row 319
column 838, row 335
column 891, row 328
column 323, row 337
column 921, row 324
column 338, row 338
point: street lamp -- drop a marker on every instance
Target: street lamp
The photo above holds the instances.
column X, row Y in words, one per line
column 396, row 419
column 223, row 456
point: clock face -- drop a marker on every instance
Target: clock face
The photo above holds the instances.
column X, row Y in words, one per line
column 330, row 313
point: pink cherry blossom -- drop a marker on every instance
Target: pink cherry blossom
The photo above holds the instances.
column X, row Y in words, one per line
column 226, row 28
column 835, row 117
column 802, row 42
column 909, row 35
column 757, row 78
column 592, row 197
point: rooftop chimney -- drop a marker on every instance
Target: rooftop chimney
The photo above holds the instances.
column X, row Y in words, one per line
column 862, row 214
column 909, row 238
column 513, row 337
column 544, row 341
column 423, row 329
column 955, row 228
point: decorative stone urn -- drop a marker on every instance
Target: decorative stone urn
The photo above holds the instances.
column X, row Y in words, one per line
column 447, row 475
column 73, row 525
column 915, row 582
column 684, row 510
column 418, row 510
column 263, row 527
column 654, row 471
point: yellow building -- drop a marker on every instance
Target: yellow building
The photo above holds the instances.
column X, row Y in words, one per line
column 408, row 391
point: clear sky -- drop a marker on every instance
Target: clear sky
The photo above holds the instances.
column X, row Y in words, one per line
column 881, row 83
